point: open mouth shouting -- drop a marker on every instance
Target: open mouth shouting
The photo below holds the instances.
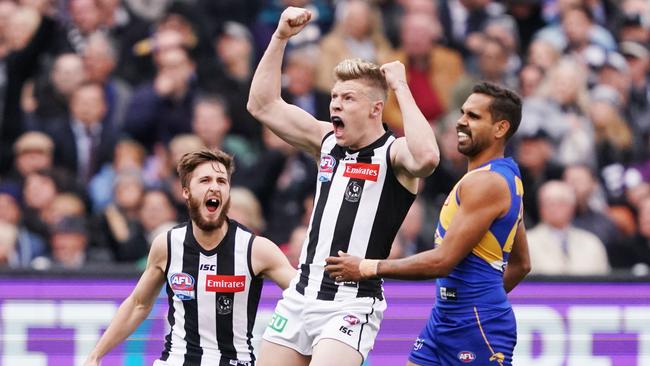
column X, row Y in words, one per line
column 212, row 204
column 338, row 124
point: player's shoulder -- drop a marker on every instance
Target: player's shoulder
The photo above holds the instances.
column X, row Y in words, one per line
column 484, row 185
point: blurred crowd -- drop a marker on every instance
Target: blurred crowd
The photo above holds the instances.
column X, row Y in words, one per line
column 100, row 98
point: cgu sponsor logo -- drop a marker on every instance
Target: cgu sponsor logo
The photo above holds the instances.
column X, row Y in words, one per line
column 363, row 171
column 223, row 283
column 466, row 356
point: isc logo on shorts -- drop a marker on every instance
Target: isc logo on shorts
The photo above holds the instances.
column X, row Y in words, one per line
column 466, row 356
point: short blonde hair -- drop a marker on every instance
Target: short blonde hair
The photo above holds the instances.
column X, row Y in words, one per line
column 368, row 72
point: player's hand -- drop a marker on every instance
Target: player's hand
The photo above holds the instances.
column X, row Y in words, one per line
column 343, row 268
column 292, row 21
column 395, row 74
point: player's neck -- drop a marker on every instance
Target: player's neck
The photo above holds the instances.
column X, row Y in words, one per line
column 371, row 135
column 483, row 157
column 209, row 240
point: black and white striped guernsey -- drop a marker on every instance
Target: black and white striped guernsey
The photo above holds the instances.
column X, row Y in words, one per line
column 213, row 298
column 359, row 206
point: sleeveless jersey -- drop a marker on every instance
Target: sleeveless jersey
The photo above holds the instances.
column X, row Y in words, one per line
column 213, row 297
column 478, row 279
column 359, row 206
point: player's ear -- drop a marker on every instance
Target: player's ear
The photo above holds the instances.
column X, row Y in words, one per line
column 186, row 193
column 501, row 128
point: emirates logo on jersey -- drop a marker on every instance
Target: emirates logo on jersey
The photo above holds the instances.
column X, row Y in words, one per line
column 363, row 171
column 223, row 283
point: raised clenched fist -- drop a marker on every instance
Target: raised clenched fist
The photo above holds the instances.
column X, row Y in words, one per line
column 292, row 21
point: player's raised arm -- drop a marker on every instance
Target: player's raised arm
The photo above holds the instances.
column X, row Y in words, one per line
column 137, row 306
column 269, row 261
column 291, row 123
column 416, row 154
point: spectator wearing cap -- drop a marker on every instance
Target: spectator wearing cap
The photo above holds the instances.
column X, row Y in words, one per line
column 556, row 246
column 23, row 245
column 33, row 151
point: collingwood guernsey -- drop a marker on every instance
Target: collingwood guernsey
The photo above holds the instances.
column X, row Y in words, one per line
column 213, row 297
column 358, row 208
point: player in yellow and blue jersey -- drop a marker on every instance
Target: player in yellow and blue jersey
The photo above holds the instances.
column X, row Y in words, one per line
column 481, row 251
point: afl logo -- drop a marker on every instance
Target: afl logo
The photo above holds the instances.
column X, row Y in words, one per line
column 182, row 282
column 327, row 163
column 466, row 356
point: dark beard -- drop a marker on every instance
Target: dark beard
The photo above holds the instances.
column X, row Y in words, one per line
column 194, row 206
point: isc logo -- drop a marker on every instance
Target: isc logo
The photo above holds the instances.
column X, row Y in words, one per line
column 207, row 267
column 345, row 330
column 466, row 356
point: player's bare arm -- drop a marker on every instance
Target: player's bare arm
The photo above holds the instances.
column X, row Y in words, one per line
column 269, row 261
column 484, row 197
column 291, row 123
column 519, row 260
column 416, row 154
column 138, row 305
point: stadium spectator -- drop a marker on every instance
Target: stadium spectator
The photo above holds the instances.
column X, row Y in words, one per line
column 357, row 33
column 128, row 156
column 246, row 209
column 300, row 87
column 71, row 249
column 282, row 178
column 591, row 211
column 118, row 225
column 100, row 59
column 557, row 247
column 432, row 69
column 85, row 141
column 212, row 123
column 162, row 109
column 23, row 245
column 33, row 151
column 535, row 157
column 53, row 95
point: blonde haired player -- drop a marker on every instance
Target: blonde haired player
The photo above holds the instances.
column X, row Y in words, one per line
column 367, row 180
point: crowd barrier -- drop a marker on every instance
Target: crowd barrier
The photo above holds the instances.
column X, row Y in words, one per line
column 54, row 319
